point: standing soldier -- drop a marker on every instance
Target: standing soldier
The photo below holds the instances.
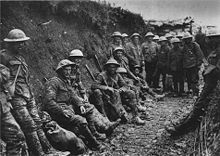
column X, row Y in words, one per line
column 23, row 102
column 192, row 59
column 109, row 82
column 10, row 130
column 211, row 76
column 125, row 39
column 156, row 38
column 133, row 51
column 116, row 42
column 175, row 63
column 150, row 50
column 169, row 36
column 60, row 101
column 162, row 62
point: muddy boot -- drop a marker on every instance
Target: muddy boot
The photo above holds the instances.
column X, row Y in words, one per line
column 95, row 133
column 137, row 120
column 47, row 148
column 34, row 144
column 93, row 144
column 111, row 127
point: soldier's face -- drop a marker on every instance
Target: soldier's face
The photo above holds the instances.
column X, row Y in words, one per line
column 150, row 38
column 67, row 71
column 176, row 45
column 76, row 60
column 136, row 40
column 16, row 47
column 136, row 71
column 188, row 40
column 112, row 69
column 119, row 55
column 117, row 40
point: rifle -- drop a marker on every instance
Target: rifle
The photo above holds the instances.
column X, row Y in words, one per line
column 98, row 63
column 90, row 73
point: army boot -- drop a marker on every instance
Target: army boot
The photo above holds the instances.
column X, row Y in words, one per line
column 44, row 142
column 34, row 144
column 93, row 144
column 95, row 133
column 111, row 127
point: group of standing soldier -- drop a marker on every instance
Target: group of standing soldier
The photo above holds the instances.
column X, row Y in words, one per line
column 121, row 87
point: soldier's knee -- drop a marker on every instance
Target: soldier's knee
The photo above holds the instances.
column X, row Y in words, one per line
column 80, row 120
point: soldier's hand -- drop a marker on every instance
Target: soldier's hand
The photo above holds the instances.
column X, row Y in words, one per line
column 110, row 89
column 67, row 113
column 85, row 98
column 82, row 110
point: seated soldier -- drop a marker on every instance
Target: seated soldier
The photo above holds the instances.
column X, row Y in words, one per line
column 62, row 103
column 123, row 72
column 76, row 57
column 143, row 84
column 11, row 132
column 112, row 84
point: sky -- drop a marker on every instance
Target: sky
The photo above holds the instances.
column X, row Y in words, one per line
column 204, row 12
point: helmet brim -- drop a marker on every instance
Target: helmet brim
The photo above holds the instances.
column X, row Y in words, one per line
column 16, row 40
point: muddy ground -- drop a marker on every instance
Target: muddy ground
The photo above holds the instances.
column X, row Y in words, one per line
column 151, row 139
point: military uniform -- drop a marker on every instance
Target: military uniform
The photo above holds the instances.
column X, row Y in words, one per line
column 24, row 106
column 134, row 54
column 162, row 64
column 10, row 130
column 212, row 76
column 150, row 50
column 126, row 96
column 175, row 67
column 192, row 59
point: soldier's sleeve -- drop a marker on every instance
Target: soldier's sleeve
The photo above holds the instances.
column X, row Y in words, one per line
column 50, row 97
column 128, row 53
column 81, row 88
column 99, row 84
column 199, row 53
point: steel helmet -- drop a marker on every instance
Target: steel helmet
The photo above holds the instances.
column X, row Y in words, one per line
column 124, row 35
column 175, row 40
column 156, row 37
column 179, row 35
column 16, row 35
column 121, row 70
column 117, row 33
column 118, row 49
column 213, row 33
column 64, row 63
column 112, row 61
column 149, row 34
column 168, row 35
column 162, row 38
column 76, row 53
column 187, row 35
column 135, row 34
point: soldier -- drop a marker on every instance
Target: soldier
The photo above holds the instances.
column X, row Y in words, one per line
column 123, row 62
column 130, row 85
column 162, row 62
column 192, row 59
column 133, row 51
column 24, row 107
column 156, row 38
column 59, row 99
column 175, row 66
column 143, row 84
column 76, row 56
column 212, row 76
column 10, row 130
column 125, row 39
column 116, row 42
column 150, row 50
column 109, row 82
column 169, row 36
